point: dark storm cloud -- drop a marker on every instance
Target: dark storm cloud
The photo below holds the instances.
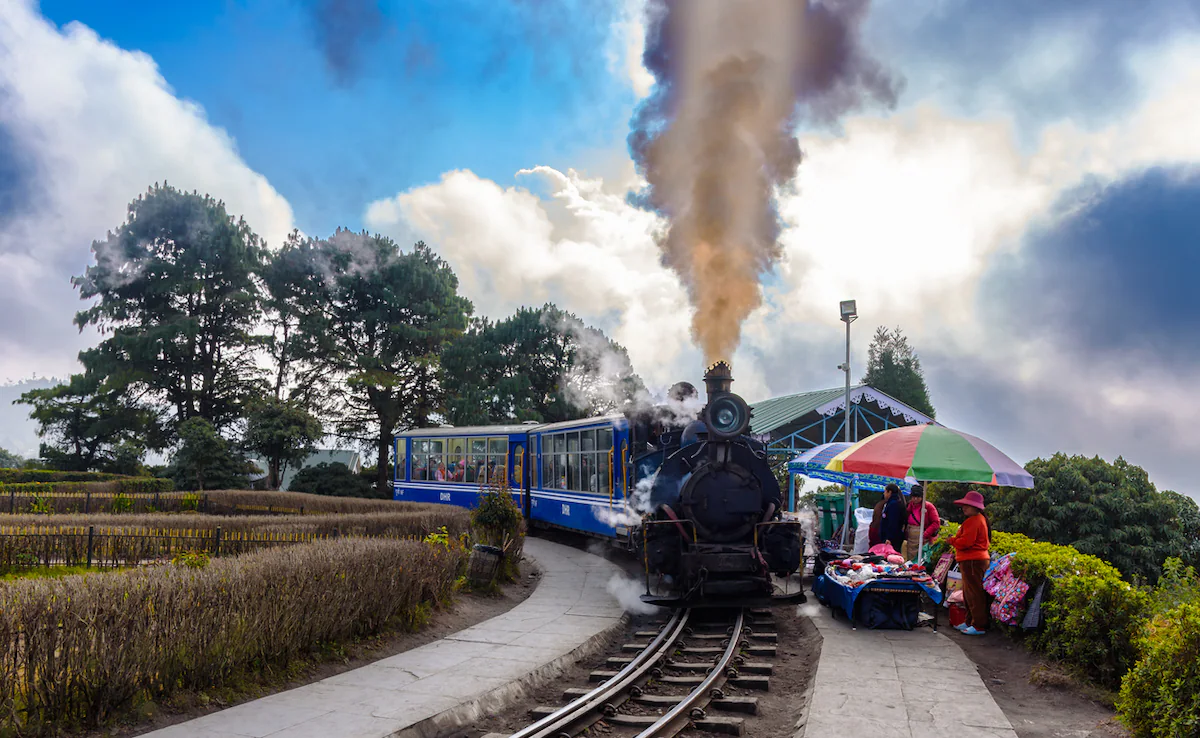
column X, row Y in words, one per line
column 345, row 29
column 1055, row 414
column 17, row 176
column 968, row 52
column 1113, row 280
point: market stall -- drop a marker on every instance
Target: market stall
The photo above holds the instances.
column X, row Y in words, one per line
column 889, row 588
column 929, row 453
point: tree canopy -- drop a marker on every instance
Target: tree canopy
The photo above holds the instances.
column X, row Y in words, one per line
column 541, row 364
column 894, row 369
column 176, row 294
column 1109, row 510
column 283, row 433
column 89, row 425
column 374, row 325
column 205, row 460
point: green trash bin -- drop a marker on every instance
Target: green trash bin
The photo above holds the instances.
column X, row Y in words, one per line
column 831, row 511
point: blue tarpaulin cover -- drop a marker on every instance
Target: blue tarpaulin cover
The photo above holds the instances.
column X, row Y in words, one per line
column 836, row 594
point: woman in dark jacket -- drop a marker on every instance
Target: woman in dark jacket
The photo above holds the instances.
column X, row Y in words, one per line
column 894, row 514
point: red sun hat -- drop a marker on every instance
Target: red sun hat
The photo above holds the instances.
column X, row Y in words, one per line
column 973, row 498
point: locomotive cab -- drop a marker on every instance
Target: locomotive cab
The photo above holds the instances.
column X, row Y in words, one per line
column 715, row 535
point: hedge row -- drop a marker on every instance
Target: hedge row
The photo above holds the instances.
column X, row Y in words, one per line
column 10, row 476
column 1106, row 628
column 147, row 495
column 131, row 494
column 406, row 519
column 239, row 501
column 78, row 650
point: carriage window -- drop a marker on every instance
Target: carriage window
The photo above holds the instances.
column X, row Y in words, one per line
column 519, row 465
column 437, row 459
column 547, row 463
column 401, row 454
column 455, row 459
column 587, row 441
column 603, row 473
column 572, row 443
column 606, row 436
column 420, row 469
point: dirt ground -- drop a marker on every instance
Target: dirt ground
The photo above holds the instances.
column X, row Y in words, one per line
column 1056, row 708
column 778, row 708
column 467, row 610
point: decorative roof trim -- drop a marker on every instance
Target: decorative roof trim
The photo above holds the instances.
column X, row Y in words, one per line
column 887, row 403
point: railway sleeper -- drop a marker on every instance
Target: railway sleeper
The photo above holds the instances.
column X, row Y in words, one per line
column 768, row 651
column 750, row 667
column 760, row 683
column 745, row 705
column 766, row 637
column 713, row 724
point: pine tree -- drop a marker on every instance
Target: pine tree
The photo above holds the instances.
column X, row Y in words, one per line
column 894, row 369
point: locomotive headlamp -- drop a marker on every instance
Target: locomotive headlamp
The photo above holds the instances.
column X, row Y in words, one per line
column 728, row 416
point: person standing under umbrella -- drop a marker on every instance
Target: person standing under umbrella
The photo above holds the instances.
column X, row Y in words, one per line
column 891, row 527
column 971, row 545
column 912, row 535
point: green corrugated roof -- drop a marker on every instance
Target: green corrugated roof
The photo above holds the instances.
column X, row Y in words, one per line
column 779, row 411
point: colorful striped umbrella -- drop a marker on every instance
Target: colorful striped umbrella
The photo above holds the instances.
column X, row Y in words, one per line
column 931, row 453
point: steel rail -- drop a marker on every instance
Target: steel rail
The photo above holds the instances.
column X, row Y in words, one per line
column 691, row 707
column 583, row 712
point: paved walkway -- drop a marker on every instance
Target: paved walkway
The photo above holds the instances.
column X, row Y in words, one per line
column 449, row 682
column 900, row 684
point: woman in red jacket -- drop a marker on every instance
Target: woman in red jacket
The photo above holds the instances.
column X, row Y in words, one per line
column 971, row 545
column 913, row 530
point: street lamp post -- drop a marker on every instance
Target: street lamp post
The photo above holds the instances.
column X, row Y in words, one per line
column 848, row 312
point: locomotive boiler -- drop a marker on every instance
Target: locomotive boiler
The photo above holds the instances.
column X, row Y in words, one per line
column 714, row 534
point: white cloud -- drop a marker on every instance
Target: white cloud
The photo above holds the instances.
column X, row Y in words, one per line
column 580, row 247
column 98, row 124
column 626, row 44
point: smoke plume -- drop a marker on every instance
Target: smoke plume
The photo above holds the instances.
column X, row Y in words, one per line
column 716, row 138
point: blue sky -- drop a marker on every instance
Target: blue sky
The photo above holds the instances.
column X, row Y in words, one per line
column 433, row 86
column 1028, row 212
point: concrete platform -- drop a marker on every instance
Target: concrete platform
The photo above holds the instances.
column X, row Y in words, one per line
column 449, row 682
column 902, row 684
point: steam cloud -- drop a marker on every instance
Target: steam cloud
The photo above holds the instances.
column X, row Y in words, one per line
column 715, row 140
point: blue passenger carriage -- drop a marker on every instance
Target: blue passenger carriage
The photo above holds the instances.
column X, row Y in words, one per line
column 573, row 475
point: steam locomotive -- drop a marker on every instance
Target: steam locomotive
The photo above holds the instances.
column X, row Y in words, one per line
column 714, row 534
column 684, row 488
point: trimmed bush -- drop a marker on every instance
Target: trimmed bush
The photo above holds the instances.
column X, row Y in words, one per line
column 414, row 520
column 78, row 650
column 1092, row 624
column 1160, row 697
column 19, row 476
column 1092, row 616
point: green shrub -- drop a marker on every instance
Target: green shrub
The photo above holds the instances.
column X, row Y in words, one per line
column 1092, row 616
column 497, row 521
column 1092, row 624
column 1160, row 696
column 331, row 479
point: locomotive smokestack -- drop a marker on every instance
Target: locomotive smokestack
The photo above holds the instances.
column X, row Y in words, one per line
column 718, row 380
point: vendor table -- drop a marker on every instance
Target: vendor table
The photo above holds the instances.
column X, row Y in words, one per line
column 838, row 596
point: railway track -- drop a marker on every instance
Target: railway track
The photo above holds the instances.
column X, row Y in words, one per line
column 684, row 677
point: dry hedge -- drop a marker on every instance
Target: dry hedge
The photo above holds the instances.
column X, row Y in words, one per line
column 80, row 649
column 293, row 501
column 413, row 519
column 143, row 496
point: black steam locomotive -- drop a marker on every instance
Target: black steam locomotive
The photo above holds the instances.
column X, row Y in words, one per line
column 714, row 534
